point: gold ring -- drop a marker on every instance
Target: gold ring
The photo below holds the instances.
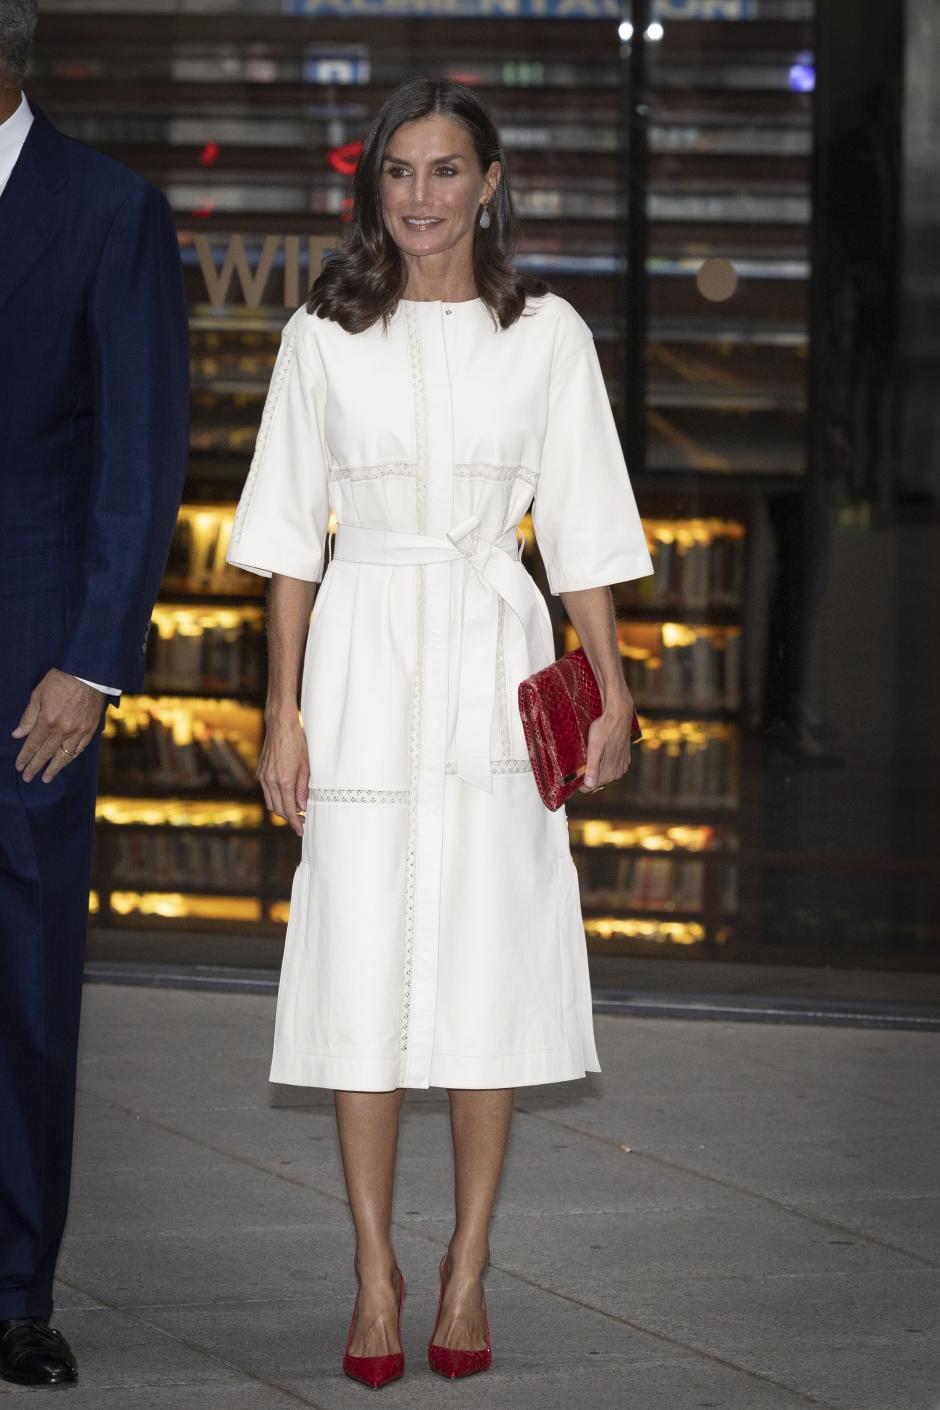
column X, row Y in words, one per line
column 64, row 750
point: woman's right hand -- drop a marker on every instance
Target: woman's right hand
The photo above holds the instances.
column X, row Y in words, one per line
column 284, row 769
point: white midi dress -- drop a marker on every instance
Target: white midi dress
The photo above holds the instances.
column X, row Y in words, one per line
column 435, row 935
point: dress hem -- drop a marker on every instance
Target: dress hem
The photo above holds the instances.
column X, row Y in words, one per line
column 353, row 1074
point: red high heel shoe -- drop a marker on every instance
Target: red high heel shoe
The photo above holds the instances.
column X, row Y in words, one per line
column 376, row 1370
column 453, row 1361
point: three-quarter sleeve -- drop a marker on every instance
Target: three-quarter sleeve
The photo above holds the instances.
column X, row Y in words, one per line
column 585, row 517
column 283, row 514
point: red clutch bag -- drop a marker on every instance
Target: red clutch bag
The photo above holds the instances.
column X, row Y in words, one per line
column 558, row 705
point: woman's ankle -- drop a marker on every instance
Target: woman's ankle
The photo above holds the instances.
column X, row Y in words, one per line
column 375, row 1265
column 468, row 1256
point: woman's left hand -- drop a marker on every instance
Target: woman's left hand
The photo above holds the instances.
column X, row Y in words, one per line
column 608, row 745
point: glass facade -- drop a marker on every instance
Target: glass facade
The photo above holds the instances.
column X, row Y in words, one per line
column 693, row 176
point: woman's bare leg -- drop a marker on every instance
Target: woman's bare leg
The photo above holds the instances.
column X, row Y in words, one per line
column 367, row 1123
column 480, row 1122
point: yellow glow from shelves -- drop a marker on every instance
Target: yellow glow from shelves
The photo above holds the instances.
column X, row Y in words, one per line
column 193, row 621
column 279, row 911
column 686, row 532
column 206, row 515
column 171, row 905
column 189, row 715
column 164, row 706
column 599, row 832
column 94, row 903
column 177, row 812
column 678, row 634
column 642, row 641
column 683, row 532
column 662, row 932
column 690, row 734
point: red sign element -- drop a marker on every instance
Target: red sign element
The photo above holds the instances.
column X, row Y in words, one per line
column 342, row 159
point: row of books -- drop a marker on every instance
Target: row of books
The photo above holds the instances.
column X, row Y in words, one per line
column 192, row 859
column 684, row 774
column 655, row 883
column 185, row 857
column 196, row 561
column 151, row 756
column 227, row 658
column 702, row 672
column 693, row 576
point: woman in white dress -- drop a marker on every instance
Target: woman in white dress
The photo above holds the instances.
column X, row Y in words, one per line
column 427, row 394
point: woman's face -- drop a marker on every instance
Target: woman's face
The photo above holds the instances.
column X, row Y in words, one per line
column 432, row 185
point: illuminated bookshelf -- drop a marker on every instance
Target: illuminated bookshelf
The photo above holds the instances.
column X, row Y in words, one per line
column 254, row 143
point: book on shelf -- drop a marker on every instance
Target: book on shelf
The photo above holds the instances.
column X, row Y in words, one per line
column 196, row 561
column 216, row 657
column 700, row 670
column 150, row 756
column 691, row 577
column 187, row 857
column 654, row 883
column 684, row 773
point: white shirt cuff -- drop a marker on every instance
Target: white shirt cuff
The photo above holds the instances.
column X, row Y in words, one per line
column 108, row 689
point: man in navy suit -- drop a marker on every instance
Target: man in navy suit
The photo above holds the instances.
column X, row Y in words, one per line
column 94, row 407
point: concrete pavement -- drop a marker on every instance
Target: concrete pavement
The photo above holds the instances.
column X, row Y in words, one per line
column 743, row 1216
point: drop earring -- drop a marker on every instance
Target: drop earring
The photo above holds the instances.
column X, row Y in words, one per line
column 485, row 219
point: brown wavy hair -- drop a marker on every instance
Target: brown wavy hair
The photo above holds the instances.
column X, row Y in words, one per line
column 366, row 277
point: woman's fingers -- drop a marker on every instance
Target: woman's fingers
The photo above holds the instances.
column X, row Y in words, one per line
column 283, row 772
column 608, row 754
column 280, row 796
column 301, row 789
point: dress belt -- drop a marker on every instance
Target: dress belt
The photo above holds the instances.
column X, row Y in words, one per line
column 498, row 573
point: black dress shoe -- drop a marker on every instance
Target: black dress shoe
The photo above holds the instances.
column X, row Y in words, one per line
column 34, row 1354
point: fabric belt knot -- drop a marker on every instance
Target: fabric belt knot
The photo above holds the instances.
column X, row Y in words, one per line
column 497, row 573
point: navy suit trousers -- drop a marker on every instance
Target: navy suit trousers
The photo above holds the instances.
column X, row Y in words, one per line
column 46, row 838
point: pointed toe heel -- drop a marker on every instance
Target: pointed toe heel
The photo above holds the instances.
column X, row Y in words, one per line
column 452, row 1361
column 376, row 1371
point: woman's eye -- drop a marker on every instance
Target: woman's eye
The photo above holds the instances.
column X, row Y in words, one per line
column 441, row 171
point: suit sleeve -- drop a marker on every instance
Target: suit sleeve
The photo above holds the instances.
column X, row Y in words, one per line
column 139, row 350
column 585, row 517
column 283, row 514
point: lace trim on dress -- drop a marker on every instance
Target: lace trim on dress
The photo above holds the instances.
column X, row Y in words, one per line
column 482, row 470
column 270, row 406
column 421, row 520
column 373, row 472
column 502, row 708
column 360, row 795
column 499, row 766
column 421, row 420
column 403, row 795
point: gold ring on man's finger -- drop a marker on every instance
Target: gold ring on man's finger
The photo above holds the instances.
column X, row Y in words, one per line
column 64, row 750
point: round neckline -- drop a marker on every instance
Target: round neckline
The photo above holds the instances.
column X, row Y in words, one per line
column 449, row 303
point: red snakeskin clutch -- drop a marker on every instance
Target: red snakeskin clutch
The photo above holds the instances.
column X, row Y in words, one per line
column 558, row 705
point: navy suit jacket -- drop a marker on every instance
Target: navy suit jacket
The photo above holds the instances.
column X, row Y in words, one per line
column 94, row 395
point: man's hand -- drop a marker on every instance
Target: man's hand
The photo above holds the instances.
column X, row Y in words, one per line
column 59, row 722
